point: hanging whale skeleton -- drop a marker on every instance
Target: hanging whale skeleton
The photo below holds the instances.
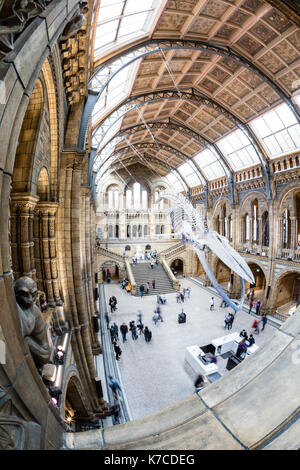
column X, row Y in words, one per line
column 191, row 227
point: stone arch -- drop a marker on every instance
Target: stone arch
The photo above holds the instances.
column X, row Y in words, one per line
column 115, row 268
column 43, row 186
column 283, row 294
column 177, row 263
column 246, row 203
column 53, row 112
column 22, row 173
column 73, row 402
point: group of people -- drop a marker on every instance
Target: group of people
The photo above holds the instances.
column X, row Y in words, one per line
column 134, row 328
column 147, row 287
column 229, row 321
column 125, row 284
column 106, row 275
column 180, row 296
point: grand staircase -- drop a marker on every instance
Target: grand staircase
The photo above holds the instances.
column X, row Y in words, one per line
column 143, row 273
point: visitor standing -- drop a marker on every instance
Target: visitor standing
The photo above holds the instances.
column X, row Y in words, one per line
column 252, row 295
column 116, row 331
column 133, row 330
column 118, row 350
column 151, row 264
column 142, row 288
column 124, row 331
column 212, row 303
column 155, row 317
column 147, row 287
column 255, row 326
column 148, row 334
column 178, row 298
column 257, row 307
column 153, row 284
column 250, row 306
column 199, row 383
column 188, row 291
column 140, row 327
column 264, row 322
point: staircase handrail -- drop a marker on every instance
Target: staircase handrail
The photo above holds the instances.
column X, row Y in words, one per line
column 131, row 277
column 164, row 264
column 109, row 253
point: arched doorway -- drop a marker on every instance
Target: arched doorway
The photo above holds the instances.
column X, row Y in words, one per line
column 287, row 291
column 259, row 284
column 177, row 267
column 75, row 412
column 110, row 267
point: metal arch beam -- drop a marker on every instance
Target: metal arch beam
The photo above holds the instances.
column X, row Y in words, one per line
column 107, row 70
column 194, row 97
column 133, row 159
column 183, row 130
column 153, row 46
column 167, row 148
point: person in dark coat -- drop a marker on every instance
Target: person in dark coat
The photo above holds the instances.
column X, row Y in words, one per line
column 118, row 350
column 124, row 331
column 133, row 330
column 142, row 288
column 116, row 330
column 153, row 284
column 264, row 321
column 148, row 334
column 257, row 308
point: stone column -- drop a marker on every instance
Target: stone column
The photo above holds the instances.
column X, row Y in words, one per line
column 280, row 235
column 293, row 232
column 251, row 230
column 22, row 211
column 260, row 232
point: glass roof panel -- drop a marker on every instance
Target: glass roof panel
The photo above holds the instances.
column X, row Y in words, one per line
column 278, row 130
column 124, row 18
column 238, row 150
column 208, row 161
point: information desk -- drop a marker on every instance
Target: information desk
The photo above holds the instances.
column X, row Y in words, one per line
column 192, row 358
column 251, row 349
column 226, row 343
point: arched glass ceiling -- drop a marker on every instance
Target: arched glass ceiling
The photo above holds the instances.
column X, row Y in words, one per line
column 190, row 173
column 120, row 22
column 278, row 131
column 123, row 21
column 175, row 182
column 209, row 162
column 238, row 150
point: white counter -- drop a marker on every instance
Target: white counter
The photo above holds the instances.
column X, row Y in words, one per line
column 226, row 343
column 191, row 356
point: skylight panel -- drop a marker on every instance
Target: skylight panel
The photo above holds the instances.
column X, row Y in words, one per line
column 238, row 150
column 124, row 19
column 208, row 161
column 278, row 131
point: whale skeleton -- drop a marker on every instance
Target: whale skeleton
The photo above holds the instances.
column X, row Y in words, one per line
column 191, row 227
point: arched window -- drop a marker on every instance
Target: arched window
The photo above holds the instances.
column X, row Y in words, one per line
column 255, row 221
column 117, row 231
column 134, row 231
column 137, row 196
column 144, row 200
column 265, row 229
column 157, row 230
column 116, row 200
column 128, row 199
column 162, row 229
column 225, row 227
column 128, row 231
column 247, row 228
column 146, row 234
column 110, row 231
column 286, row 228
column 140, row 231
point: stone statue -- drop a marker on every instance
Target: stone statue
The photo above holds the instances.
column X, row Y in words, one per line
column 32, row 323
column 73, row 26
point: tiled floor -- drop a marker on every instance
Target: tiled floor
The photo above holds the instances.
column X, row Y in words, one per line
column 155, row 374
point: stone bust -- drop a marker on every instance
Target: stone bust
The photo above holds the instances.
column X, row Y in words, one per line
column 32, row 323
